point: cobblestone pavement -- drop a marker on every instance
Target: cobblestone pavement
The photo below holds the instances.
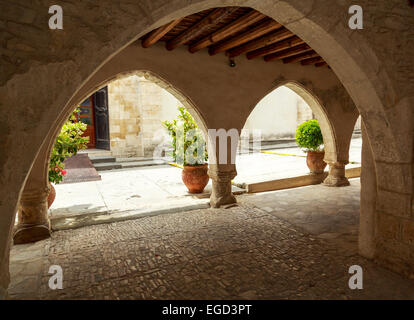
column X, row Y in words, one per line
column 243, row 252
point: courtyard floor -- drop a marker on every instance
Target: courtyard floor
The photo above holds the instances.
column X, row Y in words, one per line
column 290, row 244
column 136, row 192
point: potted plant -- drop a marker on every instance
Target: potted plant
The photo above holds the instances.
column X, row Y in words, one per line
column 189, row 150
column 67, row 144
column 309, row 137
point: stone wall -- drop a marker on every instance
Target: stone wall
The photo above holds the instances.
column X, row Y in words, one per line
column 156, row 105
column 303, row 112
column 278, row 114
column 125, row 117
column 136, row 108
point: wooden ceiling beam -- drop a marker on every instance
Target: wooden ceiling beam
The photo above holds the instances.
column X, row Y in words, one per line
column 157, row 34
column 260, row 30
column 310, row 61
column 263, row 41
column 321, row 64
column 204, row 24
column 275, row 47
column 300, row 57
column 287, row 52
column 241, row 23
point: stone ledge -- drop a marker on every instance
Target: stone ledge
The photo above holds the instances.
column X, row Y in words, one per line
column 295, row 182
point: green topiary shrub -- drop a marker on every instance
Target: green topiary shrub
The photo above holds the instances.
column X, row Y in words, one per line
column 309, row 136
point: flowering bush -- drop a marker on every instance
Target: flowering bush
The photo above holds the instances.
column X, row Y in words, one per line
column 68, row 143
column 189, row 146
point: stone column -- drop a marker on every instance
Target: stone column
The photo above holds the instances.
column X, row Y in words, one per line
column 366, row 240
column 4, row 271
column 336, row 177
column 221, row 178
column 33, row 224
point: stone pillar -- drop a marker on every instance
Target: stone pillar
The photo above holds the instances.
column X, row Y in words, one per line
column 367, row 217
column 336, row 177
column 33, row 222
column 221, row 178
column 4, row 272
column 3, row 293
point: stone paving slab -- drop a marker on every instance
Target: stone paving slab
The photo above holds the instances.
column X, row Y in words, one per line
column 268, row 247
column 26, row 269
column 144, row 190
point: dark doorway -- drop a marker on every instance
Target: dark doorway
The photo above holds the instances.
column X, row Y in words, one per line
column 102, row 119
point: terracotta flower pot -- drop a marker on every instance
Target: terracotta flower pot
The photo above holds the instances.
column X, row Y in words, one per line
column 195, row 178
column 315, row 162
column 52, row 195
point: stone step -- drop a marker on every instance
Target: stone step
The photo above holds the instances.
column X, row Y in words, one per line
column 102, row 159
column 107, row 166
column 136, row 159
column 102, row 166
column 141, row 163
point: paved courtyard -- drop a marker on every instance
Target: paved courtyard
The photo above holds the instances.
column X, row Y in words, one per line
column 130, row 193
column 291, row 244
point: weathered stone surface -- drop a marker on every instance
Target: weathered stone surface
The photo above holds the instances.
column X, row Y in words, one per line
column 242, row 252
column 408, row 232
column 394, row 203
column 221, row 192
column 336, row 177
column 33, row 222
column 53, row 78
column 389, row 226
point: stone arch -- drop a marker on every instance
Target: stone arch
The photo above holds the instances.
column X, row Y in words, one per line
column 336, row 115
column 86, row 91
column 319, row 110
column 57, row 76
column 37, row 182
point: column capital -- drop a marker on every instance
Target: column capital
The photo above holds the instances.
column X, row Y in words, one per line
column 221, row 176
column 34, row 195
column 337, row 163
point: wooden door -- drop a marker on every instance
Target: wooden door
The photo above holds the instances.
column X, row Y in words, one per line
column 86, row 115
column 101, row 119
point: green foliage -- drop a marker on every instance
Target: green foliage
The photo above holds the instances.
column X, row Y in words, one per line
column 189, row 147
column 67, row 144
column 309, row 136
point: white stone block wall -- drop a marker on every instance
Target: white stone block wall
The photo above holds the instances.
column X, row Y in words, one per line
column 136, row 108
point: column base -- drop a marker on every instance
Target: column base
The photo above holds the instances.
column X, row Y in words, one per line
column 336, row 177
column 221, row 194
column 217, row 202
column 336, row 181
column 31, row 234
